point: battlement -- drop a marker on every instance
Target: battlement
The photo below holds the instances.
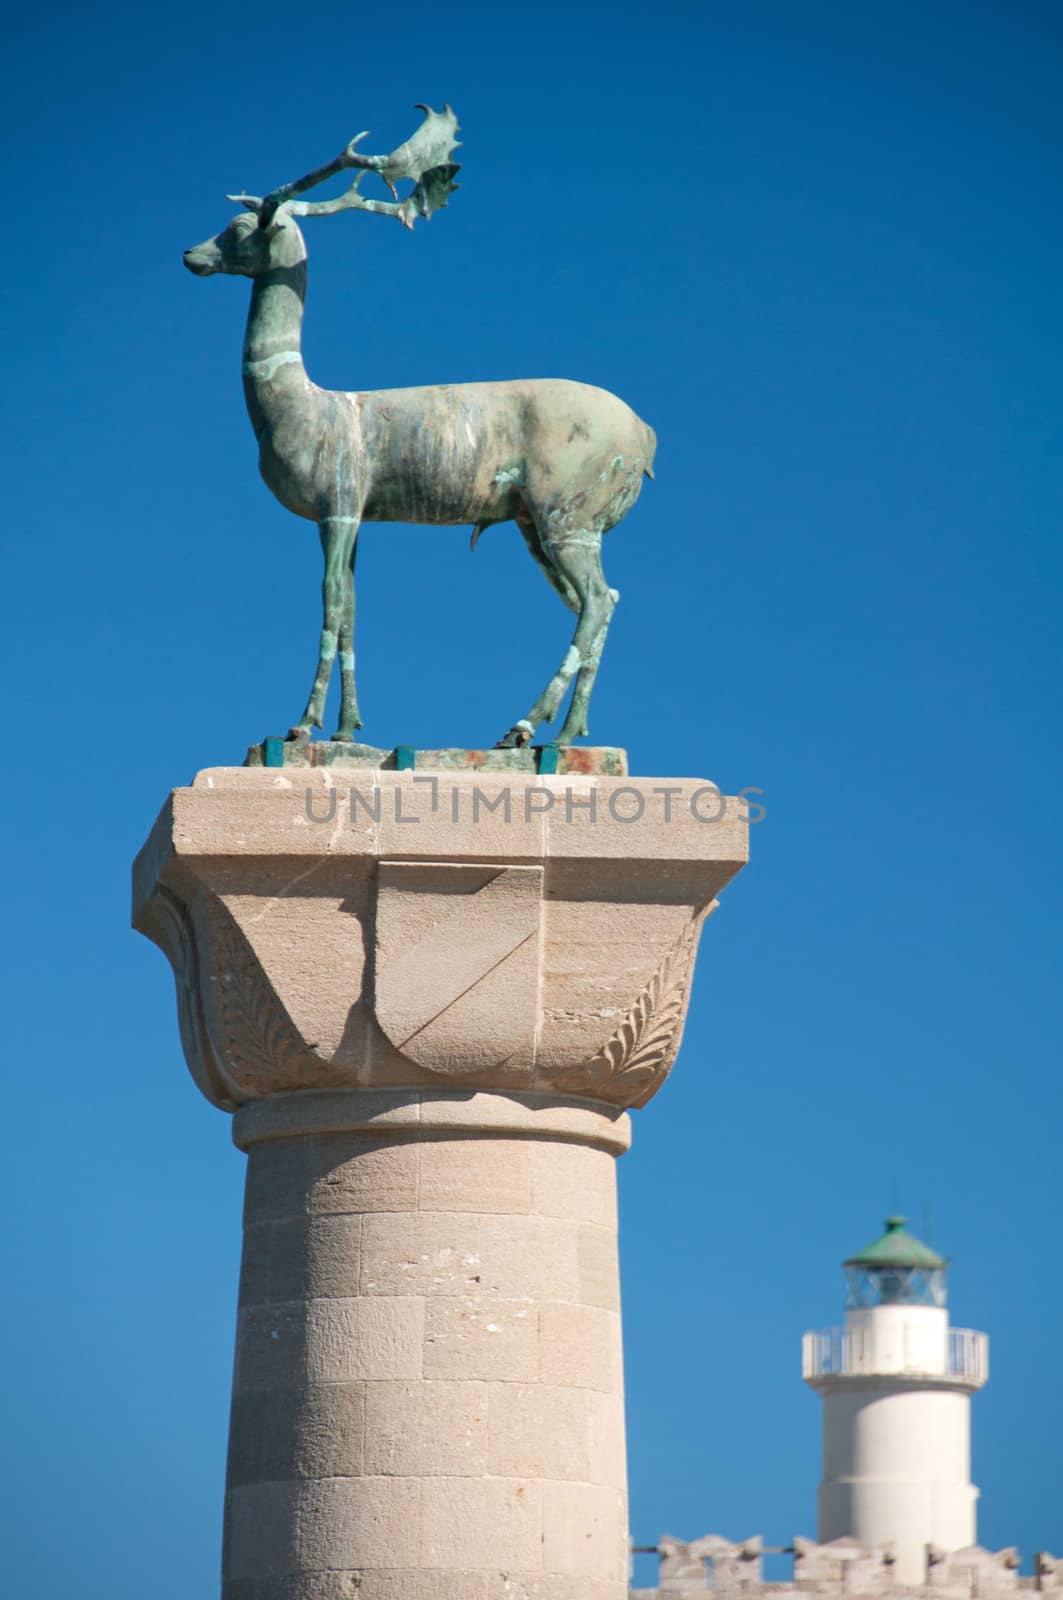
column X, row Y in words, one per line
column 841, row 1570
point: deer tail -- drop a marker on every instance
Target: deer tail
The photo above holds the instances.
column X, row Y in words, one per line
column 650, row 446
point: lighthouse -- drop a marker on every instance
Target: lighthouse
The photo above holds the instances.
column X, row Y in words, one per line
column 896, row 1383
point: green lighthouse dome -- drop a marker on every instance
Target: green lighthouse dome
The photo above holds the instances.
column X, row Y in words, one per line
column 896, row 1269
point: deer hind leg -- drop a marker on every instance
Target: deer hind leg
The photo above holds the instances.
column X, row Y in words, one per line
column 556, row 579
column 338, row 536
column 575, row 557
column 599, row 613
column 575, row 723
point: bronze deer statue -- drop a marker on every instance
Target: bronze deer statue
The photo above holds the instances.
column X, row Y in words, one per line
column 563, row 460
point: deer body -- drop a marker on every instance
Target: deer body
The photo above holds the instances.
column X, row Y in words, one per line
column 564, row 460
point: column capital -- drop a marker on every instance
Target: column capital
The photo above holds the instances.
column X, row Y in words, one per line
column 529, row 936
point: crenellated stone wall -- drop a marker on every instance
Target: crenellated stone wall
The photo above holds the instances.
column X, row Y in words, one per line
column 841, row 1570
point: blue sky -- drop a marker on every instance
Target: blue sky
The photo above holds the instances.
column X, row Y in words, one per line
column 819, row 248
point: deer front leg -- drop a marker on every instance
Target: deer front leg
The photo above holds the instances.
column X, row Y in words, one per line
column 338, row 535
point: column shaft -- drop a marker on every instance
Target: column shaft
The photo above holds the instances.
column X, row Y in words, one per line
column 427, row 1396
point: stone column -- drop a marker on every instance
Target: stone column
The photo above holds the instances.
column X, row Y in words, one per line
column 429, row 1005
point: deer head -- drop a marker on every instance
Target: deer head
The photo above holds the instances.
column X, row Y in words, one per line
column 246, row 249
column 264, row 235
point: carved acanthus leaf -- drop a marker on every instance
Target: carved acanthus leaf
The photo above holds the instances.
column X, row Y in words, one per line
column 632, row 1064
column 167, row 920
column 260, row 1044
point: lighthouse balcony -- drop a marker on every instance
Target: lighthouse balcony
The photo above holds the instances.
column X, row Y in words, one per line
column 962, row 1357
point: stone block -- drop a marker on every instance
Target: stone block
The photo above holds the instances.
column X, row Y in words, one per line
column 573, row 1180
column 271, row 1348
column 482, row 1523
column 470, row 1339
column 363, row 1172
column 277, row 1435
column 461, row 826
column 259, row 1524
column 580, row 1346
column 642, row 824
column 298, row 1259
column 491, row 1176
column 599, row 1267
column 426, row 1429
column 278, row 1181
column 296, row 1586
column 535, row 1431
column 333, row 1255
column 554, row 1586
column 255, row 1264
column 607, row 1443
column 456, row 975
column 533, row 1258
column 585, row 1531
column 317, row 1525
column 274, row 1263
column 372, row 1337
column 420, row 1253
column 262, row 814
column 415, row 1584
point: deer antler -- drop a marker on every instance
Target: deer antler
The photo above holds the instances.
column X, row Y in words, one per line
column 425, row 157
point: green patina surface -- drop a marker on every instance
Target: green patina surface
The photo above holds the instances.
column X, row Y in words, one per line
column 563, row 460
column 342, row 755
column 897, row 1248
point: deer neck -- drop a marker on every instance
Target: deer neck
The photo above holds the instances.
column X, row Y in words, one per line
column 273, row 361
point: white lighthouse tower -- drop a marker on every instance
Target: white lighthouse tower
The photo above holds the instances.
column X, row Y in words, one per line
column 896, row 1383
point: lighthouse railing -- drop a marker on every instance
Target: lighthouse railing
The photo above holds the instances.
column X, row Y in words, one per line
column 968, row 1355
column 848, row 1352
